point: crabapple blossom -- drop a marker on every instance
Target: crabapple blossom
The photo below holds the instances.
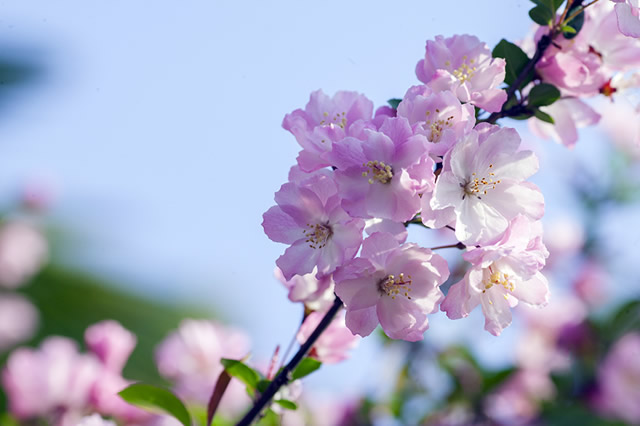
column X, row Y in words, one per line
column 619, row 380
column 583, row 66
column 23, row 251
column 396, row 286
column 501, row 275
column 383, row 175
column 628, row 14
column 397, row 229
column 190, row 357
column 333, row 344
column 53, row 381
column 464, row 65
column 315, row 292
column 326, row 120
column 18, row 320
column 438, row 115
column 517, row 401
column 539, row 346
column 484, row 182
column 569, row 115
column 111, row 343
column 310, row 218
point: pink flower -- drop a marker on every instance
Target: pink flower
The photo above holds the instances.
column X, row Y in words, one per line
column 601, row 35
column 438, row 115
column 518, row 400
column 111, row 343
column 18, row 320
column 574, row 68
column 628, row 14
column 463, row 64
column 23, row 251
column 326, row 120
column 383, row 175
column 310, row 218
column 502, row 274
column 396, row 286
column 333, row 344
column 190, row 357
column 569, row 115
column 397, row 229
column 484, row 182
column 591, row 284
column 619, row 380
column 315, row 292
column 52, row 382
column 106, row 401
column 539, row 346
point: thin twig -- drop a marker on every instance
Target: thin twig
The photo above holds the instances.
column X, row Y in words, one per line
column 458, row 245
column 284, row 376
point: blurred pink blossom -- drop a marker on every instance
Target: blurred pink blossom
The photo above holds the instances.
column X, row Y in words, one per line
column 111, row 343
column 18, row 320
column 23, row 251
column 518, row 400
column 190, row 357
column 564, row 236
column 618, row 392
column 334, row 343
column 591, row 283
column 53, row 382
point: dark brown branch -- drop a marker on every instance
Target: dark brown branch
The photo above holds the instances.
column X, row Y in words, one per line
column 284, row 377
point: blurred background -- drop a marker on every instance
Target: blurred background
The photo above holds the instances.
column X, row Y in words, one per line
column 142, row 141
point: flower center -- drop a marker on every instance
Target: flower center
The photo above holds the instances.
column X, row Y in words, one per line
column 317, row 235
column 498, row 278
column 437, row 126
column 339, row 120
column 465, row 71
column 394, row 286
column 378, row 172
column 479, row 186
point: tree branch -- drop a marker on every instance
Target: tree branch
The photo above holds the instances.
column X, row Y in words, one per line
column 284, row 377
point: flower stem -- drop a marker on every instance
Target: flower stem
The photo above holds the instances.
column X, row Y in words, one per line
column 284, row 377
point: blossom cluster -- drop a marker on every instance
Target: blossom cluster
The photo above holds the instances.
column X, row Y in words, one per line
column 428, row 161
column 436, row 159
column 602, row 59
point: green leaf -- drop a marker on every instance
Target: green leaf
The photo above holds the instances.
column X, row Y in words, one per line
column 516, row 61
column 155, row 399
column 541, row 15
column 285, row 403
column 568, row 29
column 394, row 102
column 306, row 367
column 543, row 94
column 552, row 5
column 575, row 24
column 263, row 385
column 241, row 371
column 543, row 116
